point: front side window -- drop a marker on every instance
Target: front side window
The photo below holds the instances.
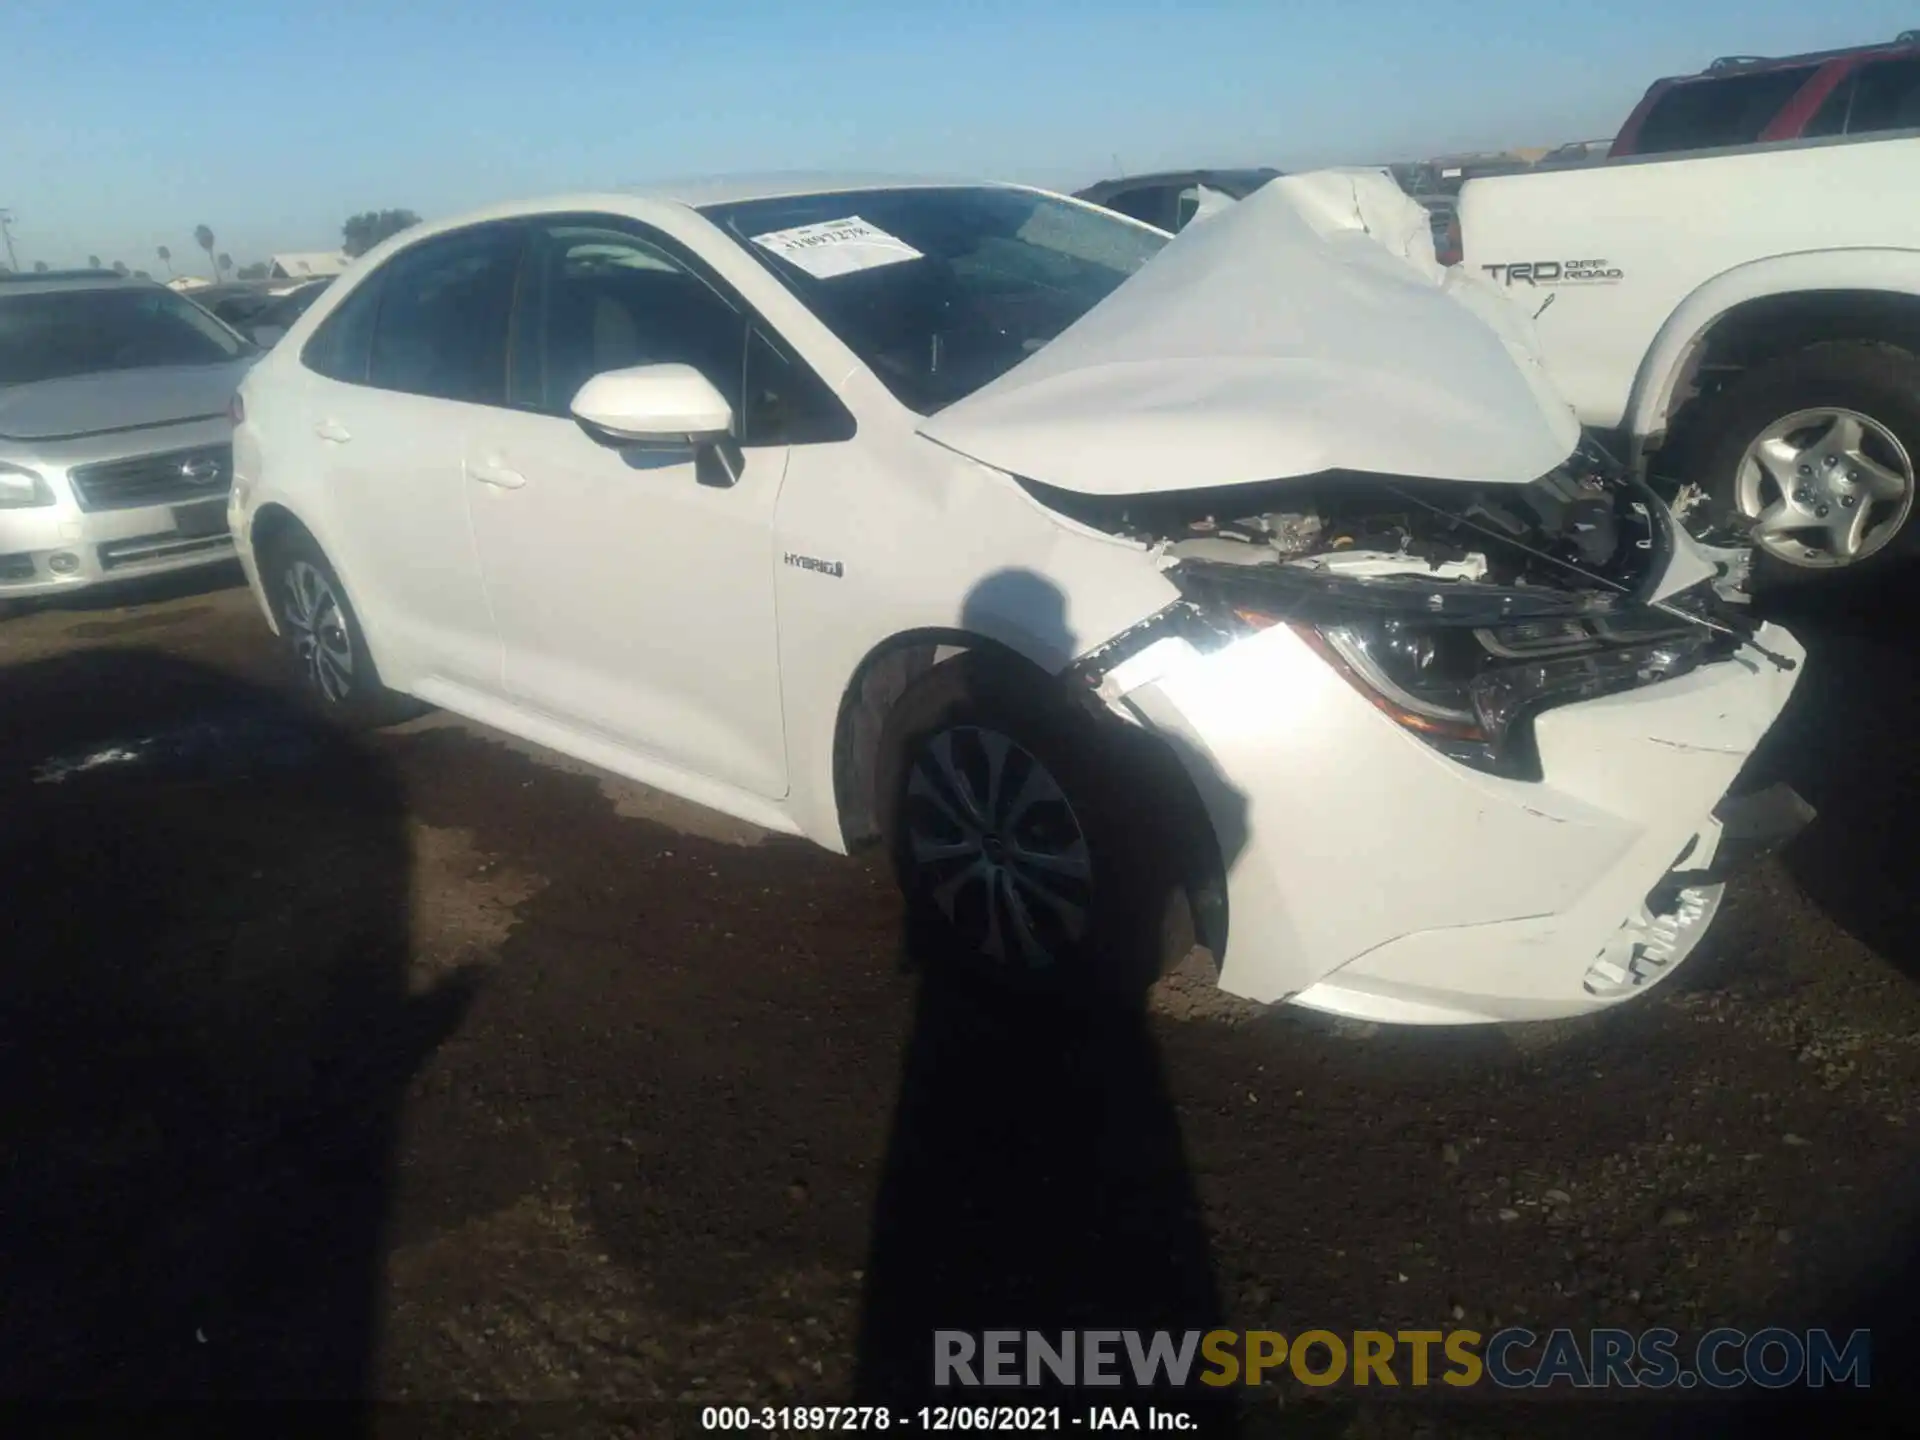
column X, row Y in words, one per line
column 1707, row 114
column 442, row 324
column 603, row 297
column 60, row 333
column 943, row 289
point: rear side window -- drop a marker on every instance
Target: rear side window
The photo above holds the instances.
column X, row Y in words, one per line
column 442, row 325
column 1884, row 95
column 1706, row 114
column 340, row 347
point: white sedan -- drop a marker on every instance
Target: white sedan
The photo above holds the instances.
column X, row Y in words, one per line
column 1256, row 578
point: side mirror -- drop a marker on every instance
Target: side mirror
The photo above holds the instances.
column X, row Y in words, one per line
column 666, row 405
column 267, row 336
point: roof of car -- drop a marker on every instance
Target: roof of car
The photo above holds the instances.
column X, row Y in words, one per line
column 691, row 194
column 1726, row 65
column 54, row 283
column 697, row 191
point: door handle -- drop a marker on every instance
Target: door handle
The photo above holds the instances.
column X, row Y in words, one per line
column 495, row 474
column 334, row 431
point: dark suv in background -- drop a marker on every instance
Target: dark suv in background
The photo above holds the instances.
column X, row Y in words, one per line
column 1744, row 99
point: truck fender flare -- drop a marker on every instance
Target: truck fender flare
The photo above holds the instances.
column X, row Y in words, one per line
column 1675, row 346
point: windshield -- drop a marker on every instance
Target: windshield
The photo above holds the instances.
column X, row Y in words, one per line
column 59, row 333
column 941, row 290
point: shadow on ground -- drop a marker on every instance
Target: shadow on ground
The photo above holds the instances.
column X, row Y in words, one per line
column 154, row 590
column 205, row 1034
column 1847, row 742
column 1035, row 1178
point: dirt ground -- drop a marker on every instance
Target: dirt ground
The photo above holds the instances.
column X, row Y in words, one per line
column 429, row 1069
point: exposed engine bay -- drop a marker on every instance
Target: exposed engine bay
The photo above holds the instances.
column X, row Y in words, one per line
column 1575, row 529
column 1458, row 610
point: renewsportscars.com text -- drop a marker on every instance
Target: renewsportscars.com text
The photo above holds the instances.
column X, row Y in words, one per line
column 1511, row 1358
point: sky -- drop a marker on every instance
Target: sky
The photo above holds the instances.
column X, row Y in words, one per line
column 125, row 123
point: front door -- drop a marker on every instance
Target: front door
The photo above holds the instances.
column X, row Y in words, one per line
column 632, row 589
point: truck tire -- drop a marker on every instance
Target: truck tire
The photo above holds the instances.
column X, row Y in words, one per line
column 1021, row 834
column 1814, row 451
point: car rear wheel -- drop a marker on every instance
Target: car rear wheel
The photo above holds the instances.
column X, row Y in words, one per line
column 1016, row 824
column 323, row 638
column 1813, row 456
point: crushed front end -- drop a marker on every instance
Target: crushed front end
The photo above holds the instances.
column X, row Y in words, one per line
column 1466, row 750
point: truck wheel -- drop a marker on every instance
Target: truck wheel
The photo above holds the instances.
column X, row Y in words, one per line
column 1815, row 453
column 323, row 639
column 1018, row 833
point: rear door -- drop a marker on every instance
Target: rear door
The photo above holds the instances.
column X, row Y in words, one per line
column 406, row 369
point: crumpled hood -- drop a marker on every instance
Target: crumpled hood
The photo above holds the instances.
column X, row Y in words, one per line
column 1307, row 328
column 118, row 400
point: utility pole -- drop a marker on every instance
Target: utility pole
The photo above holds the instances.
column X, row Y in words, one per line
column 6, row 229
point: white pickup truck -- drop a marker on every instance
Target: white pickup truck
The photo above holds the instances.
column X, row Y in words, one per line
column 1742, row 325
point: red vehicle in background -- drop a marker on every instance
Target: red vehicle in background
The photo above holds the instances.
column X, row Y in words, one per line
column 1745, row 100
column 1750, row 99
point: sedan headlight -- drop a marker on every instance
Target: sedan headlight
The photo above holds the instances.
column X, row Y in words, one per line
column 22, row 489
column 1464, row 676
column 1463, row 689
column 1422, row 675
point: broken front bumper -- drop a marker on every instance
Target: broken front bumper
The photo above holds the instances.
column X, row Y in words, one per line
column 1370, row 875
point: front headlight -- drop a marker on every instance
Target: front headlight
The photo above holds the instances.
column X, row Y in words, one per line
column 1422, row 675
column 1463, row 666
column 22, row 489
column 1464, row 691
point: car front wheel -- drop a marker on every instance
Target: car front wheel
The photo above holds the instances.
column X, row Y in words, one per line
column 1019, row 830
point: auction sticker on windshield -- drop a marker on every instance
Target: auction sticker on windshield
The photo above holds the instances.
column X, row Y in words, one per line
column 837, row 247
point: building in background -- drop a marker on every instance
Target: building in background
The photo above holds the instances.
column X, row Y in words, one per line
column 307, row 264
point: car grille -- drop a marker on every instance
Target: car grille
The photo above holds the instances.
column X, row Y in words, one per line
column 166, row 479
column 16, row 567
column 152, row 549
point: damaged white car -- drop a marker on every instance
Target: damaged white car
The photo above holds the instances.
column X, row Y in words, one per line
column 1253, row 577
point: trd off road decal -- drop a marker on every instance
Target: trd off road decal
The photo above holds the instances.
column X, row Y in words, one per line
column 1556, row 272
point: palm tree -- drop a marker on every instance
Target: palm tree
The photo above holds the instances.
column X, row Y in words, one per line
column 39, row 267
column 203, row 237
column 166, row 258
column 225, row 262
column 93, row 262
column 120, row 268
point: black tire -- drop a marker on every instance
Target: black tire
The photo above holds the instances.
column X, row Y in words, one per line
column 325, row 644
column 1135, row 913
column 1879, row 382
